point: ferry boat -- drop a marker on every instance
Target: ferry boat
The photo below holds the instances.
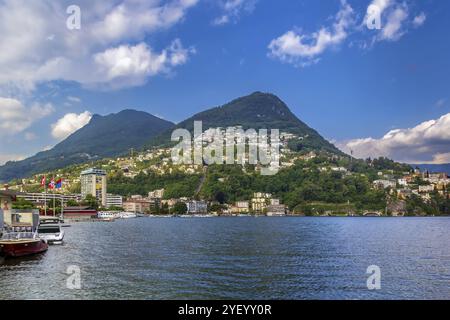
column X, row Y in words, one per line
column 107, row 216
column 50, row 230
column 127, row 215
column 19, row 244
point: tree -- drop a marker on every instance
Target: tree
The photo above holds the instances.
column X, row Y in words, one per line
column 179, row 208
column 91, row 202
column 72, row 203
column 21, row 203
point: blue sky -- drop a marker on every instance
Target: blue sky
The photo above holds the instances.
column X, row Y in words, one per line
column 352, row 84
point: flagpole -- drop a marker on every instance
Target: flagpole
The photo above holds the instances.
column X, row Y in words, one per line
column 62, row 202
column 45, row 196
column 54, row 198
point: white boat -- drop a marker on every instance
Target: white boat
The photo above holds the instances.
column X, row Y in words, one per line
column 50, row 230
column 127, row 215
column 107, row 215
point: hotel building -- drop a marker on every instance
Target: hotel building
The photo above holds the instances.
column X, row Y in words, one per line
column 93, row 182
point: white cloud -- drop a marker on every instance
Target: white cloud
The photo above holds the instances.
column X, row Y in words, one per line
column 15, row 117
column 38, row 27
column 419, row 20
column 304, row 49
column 232, row 10
column 133, row 64
column 428, row 142
column 70, row 123
column 73, row 99
column 392, row 30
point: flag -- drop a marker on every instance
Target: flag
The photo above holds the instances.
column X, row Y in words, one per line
column 59, row 184
column 51, row 185
column 43, row 181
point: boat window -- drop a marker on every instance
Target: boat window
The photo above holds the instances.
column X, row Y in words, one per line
column 49, row 230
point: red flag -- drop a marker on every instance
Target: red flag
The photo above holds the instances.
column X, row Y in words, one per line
column 51, row 185
column 43, row 180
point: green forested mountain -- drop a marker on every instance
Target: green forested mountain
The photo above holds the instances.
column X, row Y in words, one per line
column 115, row 134
column 103, row 136
column 259, row 111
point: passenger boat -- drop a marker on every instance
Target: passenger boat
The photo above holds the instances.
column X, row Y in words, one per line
column 50, row 230
column 127, row 215
column 19, row 244
column 107, row 215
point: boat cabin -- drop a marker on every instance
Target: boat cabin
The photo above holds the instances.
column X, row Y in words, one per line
column 14, row 219
column 6, row 199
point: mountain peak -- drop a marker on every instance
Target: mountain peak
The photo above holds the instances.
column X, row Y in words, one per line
column 257, row 110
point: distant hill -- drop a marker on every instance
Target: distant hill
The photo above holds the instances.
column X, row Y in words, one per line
column 257, row 110
column 433, row 167
column 103, row 136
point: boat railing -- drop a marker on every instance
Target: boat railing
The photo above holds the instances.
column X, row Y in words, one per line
column 18, row 235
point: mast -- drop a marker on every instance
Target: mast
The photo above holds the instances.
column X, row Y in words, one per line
column 45, row 197
column 54, row 201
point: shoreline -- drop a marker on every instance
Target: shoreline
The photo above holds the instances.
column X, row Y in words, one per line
column 242, row 216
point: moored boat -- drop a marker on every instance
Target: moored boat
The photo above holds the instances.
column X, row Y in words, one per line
column 127, row 215
column 19, row 244
column 50, row 230
column 107, row 215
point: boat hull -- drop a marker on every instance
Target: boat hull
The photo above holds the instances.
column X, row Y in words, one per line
column 22, row 248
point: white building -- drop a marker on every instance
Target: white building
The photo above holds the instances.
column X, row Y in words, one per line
column 93, row 182
column 196, row 207
column 156, row 194
column 385, row 184
column 338, row 169
column 240, row 207
column 260, row 201
column 113, row 200
column 427, row 188
column 276, row 208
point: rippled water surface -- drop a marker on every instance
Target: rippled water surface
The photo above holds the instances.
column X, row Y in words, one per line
column 240, row 258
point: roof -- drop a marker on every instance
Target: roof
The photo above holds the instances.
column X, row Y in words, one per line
column 95, row 171
column 8, row 193
column 77, row 208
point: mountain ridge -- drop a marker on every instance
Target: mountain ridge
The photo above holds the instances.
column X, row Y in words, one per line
column 103, row 136
column 444, row 167
column 114, row 134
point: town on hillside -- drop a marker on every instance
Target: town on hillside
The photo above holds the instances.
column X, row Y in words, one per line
column 148, row 183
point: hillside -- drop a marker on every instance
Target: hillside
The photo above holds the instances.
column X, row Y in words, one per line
column 257, row 110
column 103, row 136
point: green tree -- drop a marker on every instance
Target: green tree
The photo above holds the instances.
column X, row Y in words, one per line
column 91, row 202
column 21, row 203
column 179, row 208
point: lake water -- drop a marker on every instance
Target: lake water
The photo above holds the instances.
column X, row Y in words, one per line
column 240, row 258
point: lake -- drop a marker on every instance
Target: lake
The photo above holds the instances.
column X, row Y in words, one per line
column 240, row 258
